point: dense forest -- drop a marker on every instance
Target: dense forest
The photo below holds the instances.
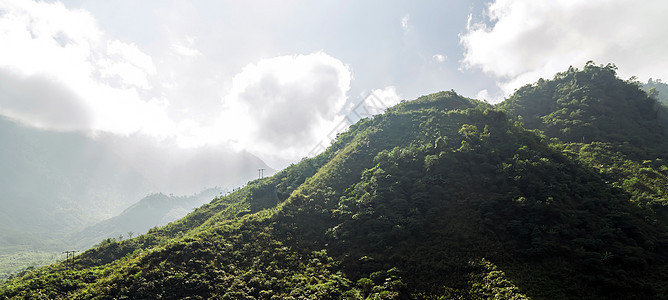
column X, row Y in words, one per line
column 556, row 193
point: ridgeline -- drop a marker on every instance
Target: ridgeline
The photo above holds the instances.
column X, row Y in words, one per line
column 556, row 193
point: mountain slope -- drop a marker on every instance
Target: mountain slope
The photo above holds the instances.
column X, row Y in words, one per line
column 153, row 210
column 623, row 129
column 440, row 197
column 593, row 104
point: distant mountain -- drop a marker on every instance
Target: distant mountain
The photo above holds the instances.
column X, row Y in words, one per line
column 26, row 249
column 151, row 211
column 658, row 89
column 55, row 184
column 442, row 197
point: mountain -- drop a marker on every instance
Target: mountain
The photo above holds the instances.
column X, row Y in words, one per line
column 151, row 211
column 56, row 181
column 592, row 105
column 440, row 197
column 657, row 89
column 55, row 184
column 608, row 124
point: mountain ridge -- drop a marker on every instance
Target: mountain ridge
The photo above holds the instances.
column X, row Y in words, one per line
column 440, row 197
column 151, row 211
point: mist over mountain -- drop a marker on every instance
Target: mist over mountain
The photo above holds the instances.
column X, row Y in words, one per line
column 657, row 89
column 151, row 211
column 56, row 183
column 442, row 197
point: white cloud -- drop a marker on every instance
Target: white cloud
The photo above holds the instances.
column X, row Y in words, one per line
column 404, row 22
column 439, row 58
column 280, row 107
column 127, row 63
column 523, row 40
column 387, row 95
column 61, row 72
column 482, row 95
column 185, row 51
column 485, row 95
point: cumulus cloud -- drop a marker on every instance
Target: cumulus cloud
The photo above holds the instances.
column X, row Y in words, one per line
column 483, row 95
column 281, row 106
column 61, row 72
column 520, row 41
column 388, row 97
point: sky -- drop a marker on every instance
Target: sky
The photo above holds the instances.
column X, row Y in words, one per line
column 277, row 79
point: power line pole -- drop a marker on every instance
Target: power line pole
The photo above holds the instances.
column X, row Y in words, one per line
column 69, row 254
column 260, row 173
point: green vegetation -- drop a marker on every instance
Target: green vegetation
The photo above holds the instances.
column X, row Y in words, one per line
column 26, row 259
column 592, row 105
column 657, row 89
column 442, row 197
column 26, row 250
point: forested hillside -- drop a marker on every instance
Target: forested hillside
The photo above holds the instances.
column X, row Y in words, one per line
column 606, row 123
column 557, row 193
column 657, row 89
column 592, row 105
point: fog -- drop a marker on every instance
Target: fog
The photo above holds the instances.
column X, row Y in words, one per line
column 58, row 182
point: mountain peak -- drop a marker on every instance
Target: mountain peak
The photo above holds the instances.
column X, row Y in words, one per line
column 588, row 105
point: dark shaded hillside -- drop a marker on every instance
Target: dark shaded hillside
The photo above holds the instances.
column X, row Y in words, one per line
column 609, row 125
column 441, row 197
